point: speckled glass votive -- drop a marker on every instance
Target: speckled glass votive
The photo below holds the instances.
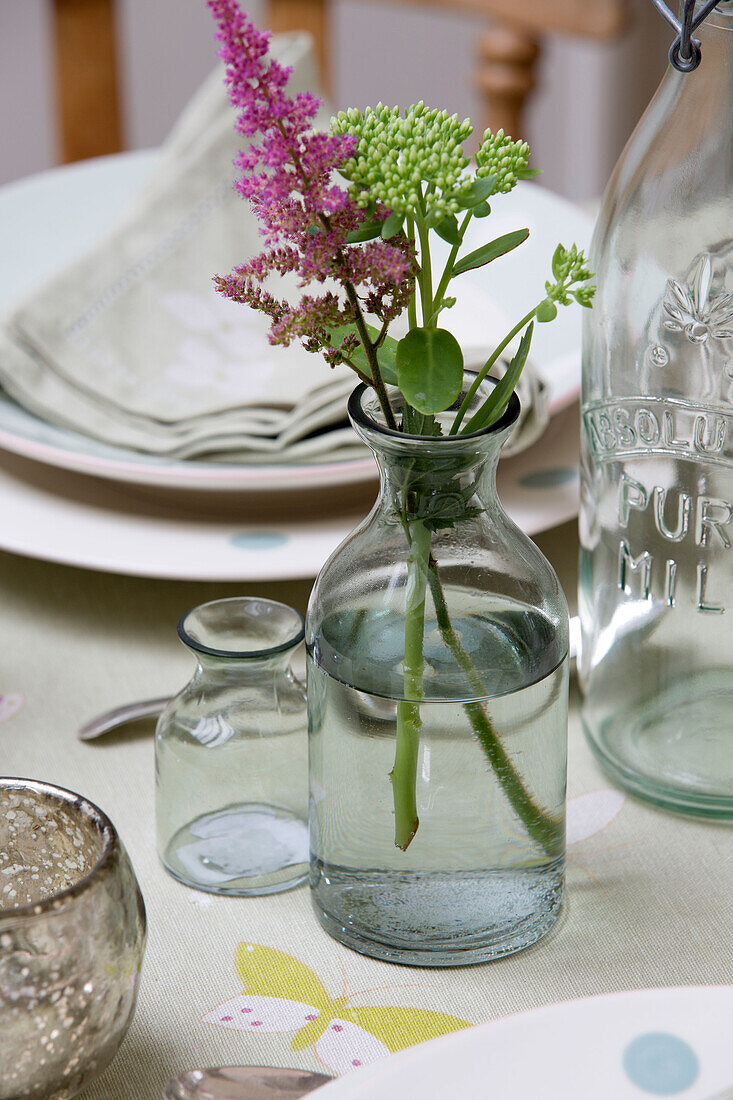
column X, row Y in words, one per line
column 72, row 936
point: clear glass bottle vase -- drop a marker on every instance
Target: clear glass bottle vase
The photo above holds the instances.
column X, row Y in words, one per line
column 656, row 586
column 231, row 753
column 437, row 640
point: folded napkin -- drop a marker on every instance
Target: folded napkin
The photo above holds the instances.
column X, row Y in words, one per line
column 131, row 345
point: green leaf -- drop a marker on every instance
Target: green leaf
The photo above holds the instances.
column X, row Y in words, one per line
column 497, row 401
column 442, row 521
column 559, row 262
column 429, row 369
column 482, row 210
column 491, row 251
column 392, row 226
column 315, row 230
column 367, row 231
column 584, row 296
column 433, row 217
column 386, row 353
column 546, row 311
column 386, row 356
column 417, row 423
column 478, row 192
column 528, row 173
column 448, row 229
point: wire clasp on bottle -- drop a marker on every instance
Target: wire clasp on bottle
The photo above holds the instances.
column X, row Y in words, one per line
column 685, row 53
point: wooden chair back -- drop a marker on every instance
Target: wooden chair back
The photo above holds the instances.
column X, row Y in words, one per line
column 89, row 116
column 87, row 89
column 508, row 48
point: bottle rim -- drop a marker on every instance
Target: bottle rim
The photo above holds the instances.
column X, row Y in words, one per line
column 360, row 418
column 285, row 622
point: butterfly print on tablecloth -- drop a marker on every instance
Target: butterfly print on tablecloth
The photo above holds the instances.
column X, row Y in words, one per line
column 281, row 994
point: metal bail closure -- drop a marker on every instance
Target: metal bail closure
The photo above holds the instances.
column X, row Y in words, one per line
column 685, row 53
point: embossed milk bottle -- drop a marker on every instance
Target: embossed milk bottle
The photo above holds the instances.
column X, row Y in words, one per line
column 656, row 588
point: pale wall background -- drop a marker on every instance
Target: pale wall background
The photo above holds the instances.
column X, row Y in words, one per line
column 588, row 99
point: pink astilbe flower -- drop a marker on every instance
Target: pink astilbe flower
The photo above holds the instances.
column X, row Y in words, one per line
column 306, row 217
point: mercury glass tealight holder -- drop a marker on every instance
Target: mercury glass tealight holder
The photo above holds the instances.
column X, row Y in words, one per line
column 72, row 937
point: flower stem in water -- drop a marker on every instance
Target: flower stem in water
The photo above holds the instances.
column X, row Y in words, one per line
column 543, row 828
column 409, row 723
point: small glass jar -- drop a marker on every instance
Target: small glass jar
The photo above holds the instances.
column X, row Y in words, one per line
column 231, row 754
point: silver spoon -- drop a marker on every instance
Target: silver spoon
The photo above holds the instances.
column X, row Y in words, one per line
column 243, row 1083
column 147, row 708
column 103, row 723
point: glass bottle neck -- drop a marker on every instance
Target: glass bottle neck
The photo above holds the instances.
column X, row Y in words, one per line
column 711, row 84
column 244, row 672
column 415, row 484
column 680, row 158
column 434, row 476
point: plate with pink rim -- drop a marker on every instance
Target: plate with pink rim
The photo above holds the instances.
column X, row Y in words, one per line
column 619, row 1046
column 91, row 194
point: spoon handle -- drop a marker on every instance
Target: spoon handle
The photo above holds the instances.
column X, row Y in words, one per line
column 119, row 715
column 244, row 1083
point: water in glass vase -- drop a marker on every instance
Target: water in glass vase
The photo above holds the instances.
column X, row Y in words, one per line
column 477, row 881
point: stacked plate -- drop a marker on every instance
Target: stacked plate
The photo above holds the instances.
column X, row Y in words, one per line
column 70, row 499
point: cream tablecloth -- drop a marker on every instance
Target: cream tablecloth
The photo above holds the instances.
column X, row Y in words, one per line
column 649, row 894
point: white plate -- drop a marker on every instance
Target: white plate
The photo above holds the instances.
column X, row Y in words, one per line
column 622, row 1046
column 91, row 194
column 84, row 521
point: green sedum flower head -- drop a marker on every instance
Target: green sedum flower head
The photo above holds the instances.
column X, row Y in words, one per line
column 403, row 160
column 502, row 158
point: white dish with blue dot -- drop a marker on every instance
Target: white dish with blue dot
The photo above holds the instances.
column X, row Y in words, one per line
column 620, row 1046
column 95, row 523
